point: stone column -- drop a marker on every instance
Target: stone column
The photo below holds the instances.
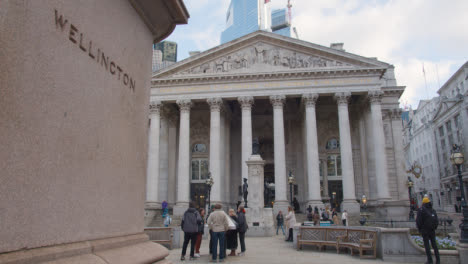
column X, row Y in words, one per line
column 397, row 129
column 313, row 169
column 363, row 141
column 375, row 98
column 183, row 169
column 152, row 173
column 325, row 179
column 281, row 201
column 172, row 158
column 246, row 106
column 215, row 155
column 349, row 191
column 164, row 157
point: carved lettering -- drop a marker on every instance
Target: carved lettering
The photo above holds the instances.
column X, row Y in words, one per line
column 73, row 31
column 59, row 20
column 90, row 54
column 81, row 43
column 112, row 67
column 101, row 58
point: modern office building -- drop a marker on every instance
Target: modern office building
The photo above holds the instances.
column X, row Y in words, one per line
column 164, row 54
column 280, row 22
column 168, row 49
column 246, row 16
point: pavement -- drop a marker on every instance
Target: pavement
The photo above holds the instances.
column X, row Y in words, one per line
column 274, row 250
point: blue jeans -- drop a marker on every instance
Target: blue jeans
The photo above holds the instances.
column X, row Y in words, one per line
column 214, row 250
column 282, row 228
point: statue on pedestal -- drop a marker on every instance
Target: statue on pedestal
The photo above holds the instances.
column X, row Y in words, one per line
column 255, row 146
column 245, row 191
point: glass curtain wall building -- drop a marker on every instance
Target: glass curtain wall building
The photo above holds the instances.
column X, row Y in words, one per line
column 244, row 17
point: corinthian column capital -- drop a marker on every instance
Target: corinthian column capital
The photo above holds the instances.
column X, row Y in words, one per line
column 184, row 105
column 342, row 98
column 246, row 102
column 155, row 107
column 215, row 104
column 375, row 96
column 277, row 100
column 310, row 99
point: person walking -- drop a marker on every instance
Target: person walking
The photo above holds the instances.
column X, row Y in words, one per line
column 316, row 217
column 242, row 228
column 190, row 222
column 427, row 222
column 219, row 224
column 201, row 231
column 280, row 222
column 310, row 216
column 344, row 217
column 290, row 223
column 231, row 234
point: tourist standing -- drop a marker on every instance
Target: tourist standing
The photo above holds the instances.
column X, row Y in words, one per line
column 290, row 223
column 310, row 216
column 344, row 217
column 231, row 234
column 242, row 228
column 427, row 222
column 201, row 231
column 190, row 222
column 280, row 222
column 316, row 217
column 218, row 223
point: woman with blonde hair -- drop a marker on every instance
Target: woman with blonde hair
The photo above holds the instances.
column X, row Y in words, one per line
column 290, row 223
column 231, row 234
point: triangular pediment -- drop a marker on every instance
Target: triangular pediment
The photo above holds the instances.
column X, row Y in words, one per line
column 263, row 52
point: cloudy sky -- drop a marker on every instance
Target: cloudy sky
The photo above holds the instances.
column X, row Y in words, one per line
column 405, row 33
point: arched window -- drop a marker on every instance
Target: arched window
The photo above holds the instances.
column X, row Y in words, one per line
column 333, row 157
column 200, row 163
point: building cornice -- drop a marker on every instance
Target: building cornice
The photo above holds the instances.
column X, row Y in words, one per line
column 316, row 74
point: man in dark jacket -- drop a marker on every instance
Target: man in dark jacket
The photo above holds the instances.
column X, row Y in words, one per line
column 190, row 222
column 242, row 228
column 427, row 223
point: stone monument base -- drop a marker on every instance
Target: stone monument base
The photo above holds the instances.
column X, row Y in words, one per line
column 124, row 249
column 260, row 225
column 395, row 210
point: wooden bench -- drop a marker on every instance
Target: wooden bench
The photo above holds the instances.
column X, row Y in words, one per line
column 339, row 237
column 360, row 240
column 319, row 236
column 161, row 235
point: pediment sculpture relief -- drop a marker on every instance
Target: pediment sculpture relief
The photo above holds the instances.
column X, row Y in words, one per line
column 261, row 55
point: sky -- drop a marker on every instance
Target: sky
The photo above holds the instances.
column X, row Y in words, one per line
column 409, row 34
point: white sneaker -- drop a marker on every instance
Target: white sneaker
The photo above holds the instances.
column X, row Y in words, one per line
column 241, row 254
column 197, row 255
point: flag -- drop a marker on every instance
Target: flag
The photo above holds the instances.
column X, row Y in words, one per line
column 267, row 1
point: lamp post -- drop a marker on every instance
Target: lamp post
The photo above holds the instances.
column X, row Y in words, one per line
column 410, row 184
column 209, row 182
column 457, row 159
column 291, row 182
column 363, row 219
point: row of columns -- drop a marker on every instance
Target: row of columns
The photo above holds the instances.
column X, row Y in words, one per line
column 277, row 101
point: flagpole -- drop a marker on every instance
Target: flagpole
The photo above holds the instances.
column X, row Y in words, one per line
column 425, row 81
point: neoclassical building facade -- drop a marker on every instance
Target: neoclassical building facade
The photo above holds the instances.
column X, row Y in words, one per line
column 329, row 118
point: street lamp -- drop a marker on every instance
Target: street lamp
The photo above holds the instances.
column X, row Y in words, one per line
column 457, row 159
column 291, row 182
column 410, row 184
column 363, row 219
column 209, row 182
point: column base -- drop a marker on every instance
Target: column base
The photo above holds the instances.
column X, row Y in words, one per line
column 314, row 203
column 280, row 206
column 351, row 206
column 180, row 208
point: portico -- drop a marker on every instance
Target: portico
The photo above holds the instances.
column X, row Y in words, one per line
column 316, row 111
